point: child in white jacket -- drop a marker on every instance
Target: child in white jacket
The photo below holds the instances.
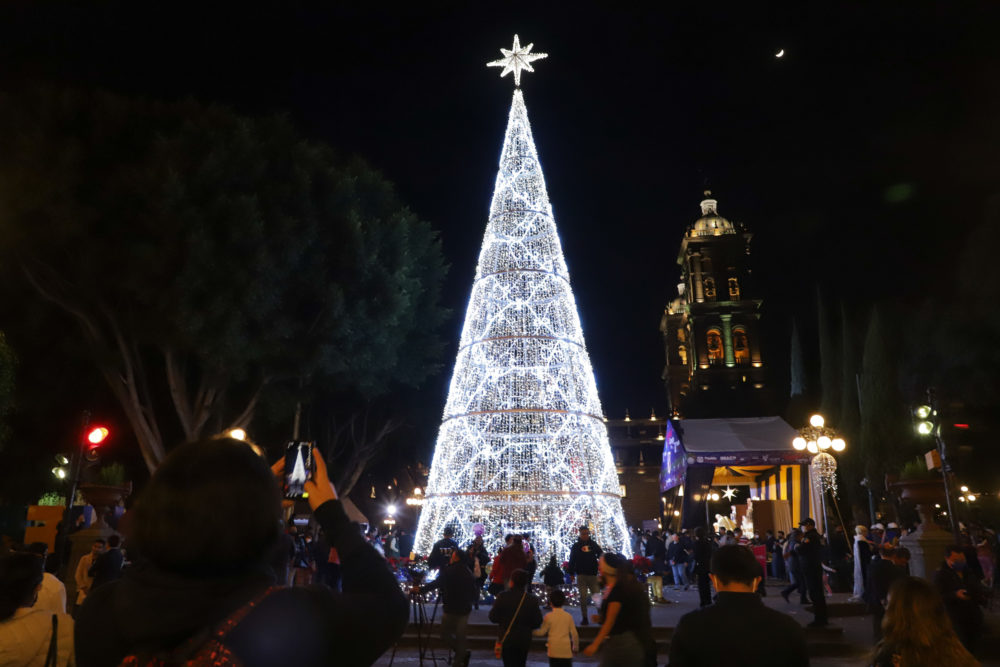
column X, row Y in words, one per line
column 560, row 629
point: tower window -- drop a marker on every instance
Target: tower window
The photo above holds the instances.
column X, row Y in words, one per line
column 706, row 265
column 716, row 352
column 681, row 336
column 734, row 288
column 741, row 347
column 709, row 288
column 683, row 354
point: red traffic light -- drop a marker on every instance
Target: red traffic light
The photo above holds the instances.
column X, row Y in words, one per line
column 97, row 435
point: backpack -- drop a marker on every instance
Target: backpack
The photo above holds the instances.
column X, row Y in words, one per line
column 205, row 649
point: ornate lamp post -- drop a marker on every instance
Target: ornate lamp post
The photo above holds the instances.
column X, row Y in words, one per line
column 819, row 439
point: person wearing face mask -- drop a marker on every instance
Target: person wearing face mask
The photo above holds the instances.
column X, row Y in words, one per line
column 626, row 630
column 962, row 595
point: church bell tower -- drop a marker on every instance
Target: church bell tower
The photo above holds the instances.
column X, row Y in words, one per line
column 711, row 332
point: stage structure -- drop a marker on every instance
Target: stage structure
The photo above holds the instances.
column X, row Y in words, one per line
column 522, row 447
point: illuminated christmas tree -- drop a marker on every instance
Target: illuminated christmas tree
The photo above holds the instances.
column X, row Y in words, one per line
column 523, row 447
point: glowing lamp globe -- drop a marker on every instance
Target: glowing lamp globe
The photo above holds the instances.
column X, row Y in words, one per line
column 97, row 435
column 922, row 411
column 838, row 444
column 925, row 428
column 817, row 421
column 823, row 442
column 799, row 443
column 812, row 447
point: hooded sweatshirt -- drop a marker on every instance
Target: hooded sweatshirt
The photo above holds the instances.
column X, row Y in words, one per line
column 151, row 612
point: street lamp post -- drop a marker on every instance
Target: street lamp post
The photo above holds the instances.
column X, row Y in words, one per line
column 928, row 423
column 819, row 439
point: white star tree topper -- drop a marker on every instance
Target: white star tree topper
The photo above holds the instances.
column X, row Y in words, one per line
column 517, row 58
column 729, row 493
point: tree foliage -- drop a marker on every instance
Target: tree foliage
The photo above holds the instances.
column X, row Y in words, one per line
column 208, row 257
column 829, row 363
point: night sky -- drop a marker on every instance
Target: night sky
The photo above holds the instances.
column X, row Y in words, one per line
column 859, row 160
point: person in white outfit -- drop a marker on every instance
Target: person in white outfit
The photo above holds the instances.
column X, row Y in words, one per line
column 84, row 581
column 862, row 556
column 560, row 629
column 28, row 635
column 53, row 593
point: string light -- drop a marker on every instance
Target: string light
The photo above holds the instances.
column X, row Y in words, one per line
column 523, row 447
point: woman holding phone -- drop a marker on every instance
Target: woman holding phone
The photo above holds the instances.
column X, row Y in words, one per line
column 202, row 531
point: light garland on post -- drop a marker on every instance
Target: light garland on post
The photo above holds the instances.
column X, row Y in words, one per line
column 523, row 447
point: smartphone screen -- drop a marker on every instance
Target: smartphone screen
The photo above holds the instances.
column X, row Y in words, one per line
column 298, row 468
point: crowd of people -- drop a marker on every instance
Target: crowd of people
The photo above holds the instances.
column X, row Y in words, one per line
column 210, row 576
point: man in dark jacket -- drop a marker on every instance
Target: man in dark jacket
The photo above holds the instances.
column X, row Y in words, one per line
column 810, row 549
column 108, row 566
column 677, row 558
column 458, row 592
column 882, row 572
column 516, row 611
column 702, row 564
column 962, row 595
column 734, row 629
column 442, row 549
column 583, row 560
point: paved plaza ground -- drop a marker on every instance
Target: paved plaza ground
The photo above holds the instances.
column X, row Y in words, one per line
column 847, row 644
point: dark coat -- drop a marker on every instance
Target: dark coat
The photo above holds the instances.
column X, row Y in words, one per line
column 964, row 614
column 702, row 555
column 583, row 557
column 676, row 555
column 810, row 550
column 441, row 553
column 738, row 629
column 107, row 567
column 458, row 588
column 552, row 575
column 527, row 619
column 881, row 575
column 151, row 611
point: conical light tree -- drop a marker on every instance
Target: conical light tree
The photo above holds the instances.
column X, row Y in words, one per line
column 523, row 447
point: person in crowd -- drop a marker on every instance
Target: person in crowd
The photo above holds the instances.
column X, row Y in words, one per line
column 108, row 566
column 499, row 578
column 480, row 559
column 516, row 612
column 984, row 554
column 793, row 563
column 687, row 543
column 392, row 544
column 658, row 568
column 28, row 632
column 583, row 564
column 731, row 630
column 963, row 595
column 728, row 538
column 441, row 551
column 882, row 573
column 810, row 554
column 702, row 564
column 53, row 593
column 552, row 577
column 678, row 558
column 862, row 557
column 777, row 556
column 559, row 630
column 917, row 631
column 84, row 582
column 512, row 557
column 625, row 629
column 892, row 534
column 458, row 591
column 203, row 530
column 305, row 559
column 531, row 556
column 876, row 533
column 283, row 557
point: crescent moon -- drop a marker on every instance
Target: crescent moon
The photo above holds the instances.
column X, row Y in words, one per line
column 779, row 53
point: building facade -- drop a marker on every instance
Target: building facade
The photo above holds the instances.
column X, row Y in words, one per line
column 711, row 330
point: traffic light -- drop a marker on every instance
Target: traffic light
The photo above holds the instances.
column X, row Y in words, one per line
column 95, row 438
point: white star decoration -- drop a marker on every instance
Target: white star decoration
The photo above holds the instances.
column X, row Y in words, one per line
column 515, row 59
column 729, row 493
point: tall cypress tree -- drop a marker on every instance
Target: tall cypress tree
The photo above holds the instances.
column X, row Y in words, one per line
column 885, row 437
column 829, row 363
column 849, row 424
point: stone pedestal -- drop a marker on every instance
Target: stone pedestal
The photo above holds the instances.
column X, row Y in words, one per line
column 926, row 549
column 928, row 542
